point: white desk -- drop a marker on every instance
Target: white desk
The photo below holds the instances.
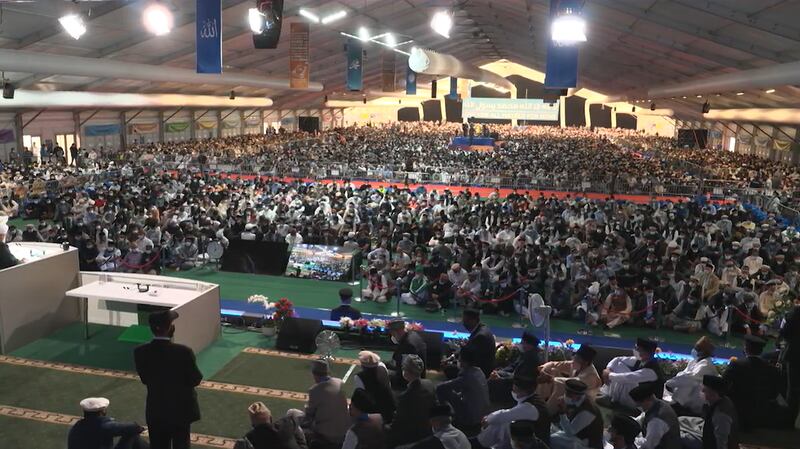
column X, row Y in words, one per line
column 197, row 303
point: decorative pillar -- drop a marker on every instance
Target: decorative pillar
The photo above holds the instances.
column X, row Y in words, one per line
column 161, row 126
column 562, row 111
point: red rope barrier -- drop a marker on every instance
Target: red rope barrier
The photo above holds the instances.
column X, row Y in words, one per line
column 495, row 300
column 139, row 267
column 748, row 317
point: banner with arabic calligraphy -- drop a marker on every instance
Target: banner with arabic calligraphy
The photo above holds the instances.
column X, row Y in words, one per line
column 355, row 61
column 206, row 124
column 101, row 130
column 387, row 71
column 453, row 88
column 176, row 127
column 298, row 56
column 6, row 135
column 142, row 128
column 208, row 29
column 411, row 81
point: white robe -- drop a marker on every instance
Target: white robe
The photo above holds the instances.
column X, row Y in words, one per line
column 686, row 385
column 623, row 379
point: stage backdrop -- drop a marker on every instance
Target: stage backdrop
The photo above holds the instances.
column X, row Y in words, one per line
column 503, row 108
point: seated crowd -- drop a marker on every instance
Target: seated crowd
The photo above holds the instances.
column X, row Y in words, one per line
column 693, row 266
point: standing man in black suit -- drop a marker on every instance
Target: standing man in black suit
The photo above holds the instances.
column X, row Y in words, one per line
column 753, row 386
column 481, row 341
column 170, row 373
column 408, row 343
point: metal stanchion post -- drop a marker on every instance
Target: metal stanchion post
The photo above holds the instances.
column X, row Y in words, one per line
column 397, row 284
column 520, row 300
column 727, row 343
column 356, row 279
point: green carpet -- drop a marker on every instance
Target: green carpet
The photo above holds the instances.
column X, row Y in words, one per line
column 276, row 372
column 23, row 433
column 224, row 414
column 324, row 295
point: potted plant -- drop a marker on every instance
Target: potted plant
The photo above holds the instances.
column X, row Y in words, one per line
column 268, row 327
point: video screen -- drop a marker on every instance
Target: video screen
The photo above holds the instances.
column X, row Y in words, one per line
column 331, row 263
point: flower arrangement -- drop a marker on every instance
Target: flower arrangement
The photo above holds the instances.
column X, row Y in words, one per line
column 365, row 325
column 506, row 352
column 780, row 309
column 283, row 308
column 261, row 299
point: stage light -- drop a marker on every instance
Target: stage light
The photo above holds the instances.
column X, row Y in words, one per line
column 73, row 25
column 441, row 23
column 569, row 28
column 157, row 19
column 390, row 40
column 363, row 34
column 769, row 91
column 684, row 97
column 257, row 20
column 334, row 17
column 739, row 94
column 309, row 15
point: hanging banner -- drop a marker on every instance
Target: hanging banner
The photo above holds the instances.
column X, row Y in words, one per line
column 101, row 130
column 206, row 124
column 507, row 108
column 230, row 125
column 453, row 88
column 298, row 55
column 411, row 81
column 208, row 39
column 6, row 135
column 255, row 121
column 176, row 127
column 762, row 141
column 562, row 61
column 142, row 128
column 782, row 145
column 355, row 60
column 387, row 71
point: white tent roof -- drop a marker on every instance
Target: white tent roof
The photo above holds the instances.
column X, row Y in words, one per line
column 633, row 44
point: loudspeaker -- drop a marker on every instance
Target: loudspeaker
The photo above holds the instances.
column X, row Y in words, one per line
column 268, row 38
column 706, row 107
column 298, row 334
column 652, row 106
column 308, row 124
column 433, row 89
column 8, row 91
column 435, row 345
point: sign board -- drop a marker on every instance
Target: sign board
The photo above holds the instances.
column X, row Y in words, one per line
column 510, row 109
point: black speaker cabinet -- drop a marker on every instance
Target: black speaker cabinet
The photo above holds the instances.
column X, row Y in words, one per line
column 271, row 35
column 298, row 334
column 434, row 342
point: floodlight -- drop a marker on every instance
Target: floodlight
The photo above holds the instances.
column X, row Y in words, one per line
column 73, row 25
column 309, row 15
column 441, row 23
column 157, row 19
column 568, row 28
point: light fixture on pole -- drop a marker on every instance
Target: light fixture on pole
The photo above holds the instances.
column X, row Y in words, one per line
column 309, row 15
column 441, row 23
column 568, row 28
column 157, row 19
column 73, row 25
column 8, row 88
column 390, row 40
column 334, row 17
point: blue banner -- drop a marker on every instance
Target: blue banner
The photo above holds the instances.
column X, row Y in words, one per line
column 355, row 60
column 562, row 61
column 453, row 88
column 101, row 130
column 411, row 81
column 208, row 30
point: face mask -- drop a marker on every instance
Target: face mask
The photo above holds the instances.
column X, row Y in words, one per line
column 695, row 355
column 515, row 396
column 394, row 340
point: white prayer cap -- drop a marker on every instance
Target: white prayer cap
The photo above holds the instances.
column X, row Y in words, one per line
column 94, row 404
column 3, row 229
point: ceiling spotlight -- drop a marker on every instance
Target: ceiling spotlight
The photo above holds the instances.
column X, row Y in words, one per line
column 334, row 17
column 739, row 93
column 568, row 28
column 157, row 19
column 441, row 23
column 73, row 25
column 309, row 15
column 256, row 19
column 769, row 91
column 390, row 40
column 363, row 34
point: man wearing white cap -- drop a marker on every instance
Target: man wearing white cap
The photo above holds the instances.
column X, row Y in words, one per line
column 97, row 431
column 6, row 258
